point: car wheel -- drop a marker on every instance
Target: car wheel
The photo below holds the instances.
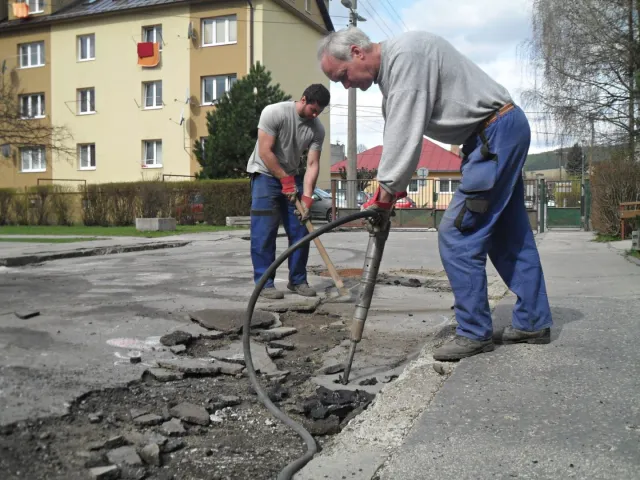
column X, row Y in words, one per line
column 329, row 216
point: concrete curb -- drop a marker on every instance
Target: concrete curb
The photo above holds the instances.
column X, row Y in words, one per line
column 21, row 261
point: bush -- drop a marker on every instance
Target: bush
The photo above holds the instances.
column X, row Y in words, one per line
column 40, row 203
column 62, row 205
column 122, row 200
column 153, row 198
column 613, row 181
column 95, row 206
column 6, row 205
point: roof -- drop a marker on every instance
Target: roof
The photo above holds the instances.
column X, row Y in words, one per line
column 82, row 8
column 433, row 157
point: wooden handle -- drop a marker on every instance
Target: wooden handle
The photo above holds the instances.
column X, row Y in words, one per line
column 323, row 252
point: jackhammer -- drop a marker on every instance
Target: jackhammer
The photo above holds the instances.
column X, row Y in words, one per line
column 378, row 228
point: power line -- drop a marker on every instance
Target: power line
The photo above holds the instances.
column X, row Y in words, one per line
column 377, row 15
column 395, row 12
column 376, row 21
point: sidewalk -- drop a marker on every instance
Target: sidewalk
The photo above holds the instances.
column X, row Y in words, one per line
column 570, row 409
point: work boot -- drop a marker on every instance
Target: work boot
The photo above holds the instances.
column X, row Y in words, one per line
column 461, row 347
column 271, row 293
column 512, row 335
column 302, row 289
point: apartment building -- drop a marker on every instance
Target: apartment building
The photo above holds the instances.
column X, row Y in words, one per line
column 133, row 80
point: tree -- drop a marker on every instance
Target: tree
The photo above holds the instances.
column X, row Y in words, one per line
column 233, row 125
column 363, row 175
column 574, row 161
column 18, row 130
column 586, row 57
column 361, row 148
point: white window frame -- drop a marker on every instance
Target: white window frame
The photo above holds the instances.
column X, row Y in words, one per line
column 153, row 85
column 91, row 99
column 39, row 46
column 90, row 149
column 411, row 183
column 153, row 33
column 449, row 182
column 36, row 6
column 307, row 6
column 202, row 144
column 156, row 159
column 42, row 160
column 213, row 78
column 90, row 40
column 214, row 21
column 31, row 99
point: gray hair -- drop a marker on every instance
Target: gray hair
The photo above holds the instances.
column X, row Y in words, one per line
column 338, row 44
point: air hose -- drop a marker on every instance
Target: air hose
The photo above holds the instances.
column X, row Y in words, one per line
column 312, row 448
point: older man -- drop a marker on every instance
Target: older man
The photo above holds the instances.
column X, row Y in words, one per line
column 429, row 88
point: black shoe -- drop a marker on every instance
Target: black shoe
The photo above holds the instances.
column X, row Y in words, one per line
column 512, row 335
column 462, row 347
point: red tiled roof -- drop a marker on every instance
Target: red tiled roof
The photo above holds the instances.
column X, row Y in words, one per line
column 433, row 157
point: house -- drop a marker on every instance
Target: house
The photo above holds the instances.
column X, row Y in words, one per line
column 133, row 80
column 434, row 182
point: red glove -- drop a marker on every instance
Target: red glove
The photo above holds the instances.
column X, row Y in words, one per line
column 376, row 204
column 289, row 188
column 307, row 201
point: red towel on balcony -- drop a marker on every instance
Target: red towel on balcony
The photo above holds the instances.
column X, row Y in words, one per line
column 145, row 49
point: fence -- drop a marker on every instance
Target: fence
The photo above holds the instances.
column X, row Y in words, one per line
column 425, row 204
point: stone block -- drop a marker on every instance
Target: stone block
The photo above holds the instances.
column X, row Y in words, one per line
column 155, row 224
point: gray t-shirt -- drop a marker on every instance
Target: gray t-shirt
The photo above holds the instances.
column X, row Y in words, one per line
column 293, row 136
column 428, row 88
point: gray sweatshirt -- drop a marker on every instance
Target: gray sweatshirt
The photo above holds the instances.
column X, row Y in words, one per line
column 428, row 88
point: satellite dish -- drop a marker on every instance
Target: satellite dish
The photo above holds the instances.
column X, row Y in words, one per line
column 186, row 96
column 191, row 33
column 181, row 117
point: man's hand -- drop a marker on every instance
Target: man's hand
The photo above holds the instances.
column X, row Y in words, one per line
column 289, row 188
column 305, row 204
column 382, row 202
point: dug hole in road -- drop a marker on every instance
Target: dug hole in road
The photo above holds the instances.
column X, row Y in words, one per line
column 134, row 367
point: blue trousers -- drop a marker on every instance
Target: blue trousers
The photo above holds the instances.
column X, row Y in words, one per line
column 487, row 215
column 268, row 207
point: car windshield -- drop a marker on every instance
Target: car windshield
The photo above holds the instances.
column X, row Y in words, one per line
column 322, row 193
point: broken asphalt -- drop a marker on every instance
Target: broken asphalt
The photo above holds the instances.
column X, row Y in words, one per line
column 570, row 409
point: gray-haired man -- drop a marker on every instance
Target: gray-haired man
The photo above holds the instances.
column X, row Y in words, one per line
column 429, row 88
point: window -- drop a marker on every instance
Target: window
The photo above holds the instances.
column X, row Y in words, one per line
column 152, row 34
column 152, row 153
column 31, row 54
column 36, row 6
column 86, row 47
column 203, row 141
column 86, row 101
column 153, row 94
column 219, row 31
column 449, row 186
column 413, row 186
column 33, row 159
column 307, row 5
column 32, row 106
column 87, row 156
column 214, row 87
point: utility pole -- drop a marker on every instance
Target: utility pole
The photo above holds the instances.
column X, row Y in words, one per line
column 352, row 135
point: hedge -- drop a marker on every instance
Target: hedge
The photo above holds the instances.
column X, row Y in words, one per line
column 119, row 204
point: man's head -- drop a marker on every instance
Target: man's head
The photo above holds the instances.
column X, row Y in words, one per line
column 349, row 57
column 314, row 99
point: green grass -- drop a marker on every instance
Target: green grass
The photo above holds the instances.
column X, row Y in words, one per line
column 634, row 253
column 46, row 240
column 606, row 238
column 129, row 231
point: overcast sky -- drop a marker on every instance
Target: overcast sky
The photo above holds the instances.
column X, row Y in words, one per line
column 489, row 32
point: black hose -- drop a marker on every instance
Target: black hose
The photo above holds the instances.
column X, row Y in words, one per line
column 312, row 448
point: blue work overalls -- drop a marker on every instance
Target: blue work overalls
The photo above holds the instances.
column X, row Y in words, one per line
column 268, row 207
column 487, row 215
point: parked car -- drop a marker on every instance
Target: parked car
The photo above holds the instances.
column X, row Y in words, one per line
column 193, row 211
column 321, row 207
column 405, row 202
column 341, row 198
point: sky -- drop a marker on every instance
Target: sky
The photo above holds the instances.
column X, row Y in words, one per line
column 491, row 33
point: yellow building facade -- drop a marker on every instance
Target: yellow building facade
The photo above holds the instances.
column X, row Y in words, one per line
column 131, row 119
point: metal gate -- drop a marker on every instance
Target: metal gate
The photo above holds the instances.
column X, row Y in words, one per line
column 564, row 204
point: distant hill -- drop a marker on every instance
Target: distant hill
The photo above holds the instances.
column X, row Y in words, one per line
column 550, row 159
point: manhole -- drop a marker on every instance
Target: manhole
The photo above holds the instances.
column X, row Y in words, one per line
column 344, row 273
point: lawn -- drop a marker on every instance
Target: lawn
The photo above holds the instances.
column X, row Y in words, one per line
column 606, row 238
column 47, row 240
column 129, row 231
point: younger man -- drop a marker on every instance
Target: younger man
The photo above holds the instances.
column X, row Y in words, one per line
column 285, row 131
